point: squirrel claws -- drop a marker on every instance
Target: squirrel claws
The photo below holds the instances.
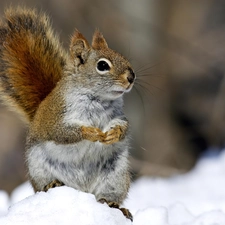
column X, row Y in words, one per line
column 54, row 183
column 125, row 211
column 113, row 135
column 92, row 134
column 95, row 134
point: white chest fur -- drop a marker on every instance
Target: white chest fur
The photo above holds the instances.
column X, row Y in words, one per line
column 87, row 110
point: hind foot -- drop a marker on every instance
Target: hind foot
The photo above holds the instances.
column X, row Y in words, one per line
column 125, row 212
column 54, row 183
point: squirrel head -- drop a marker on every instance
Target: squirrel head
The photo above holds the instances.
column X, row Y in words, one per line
column 103, row 71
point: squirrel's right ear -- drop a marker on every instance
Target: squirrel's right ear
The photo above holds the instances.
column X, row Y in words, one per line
column 79, row 46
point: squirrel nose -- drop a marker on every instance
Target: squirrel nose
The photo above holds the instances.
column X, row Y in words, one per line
column 131, row 76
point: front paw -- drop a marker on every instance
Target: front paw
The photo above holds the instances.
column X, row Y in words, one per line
column 92, row 134
column 113, row 135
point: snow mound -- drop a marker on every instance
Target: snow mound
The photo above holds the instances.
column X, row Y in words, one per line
column 4, row 202
column 21, row 192
column 200, row 190
column 62, row 205
column 195, row 198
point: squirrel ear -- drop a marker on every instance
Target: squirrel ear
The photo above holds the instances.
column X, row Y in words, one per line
column 98, row 41
column 78, row 45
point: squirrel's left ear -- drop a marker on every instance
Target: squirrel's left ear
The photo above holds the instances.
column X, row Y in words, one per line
column 98, row 41
column 79, row 46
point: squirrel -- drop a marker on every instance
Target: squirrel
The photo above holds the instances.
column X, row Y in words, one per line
column 72, row 103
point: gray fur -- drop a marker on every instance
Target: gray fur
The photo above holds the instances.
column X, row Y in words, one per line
column 87, row 166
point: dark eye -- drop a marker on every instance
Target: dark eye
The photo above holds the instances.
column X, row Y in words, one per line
column 103, row 66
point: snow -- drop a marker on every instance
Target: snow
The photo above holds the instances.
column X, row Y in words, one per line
column 62, row 205
column 4, row 202
column 194, row 198
column 21, row 192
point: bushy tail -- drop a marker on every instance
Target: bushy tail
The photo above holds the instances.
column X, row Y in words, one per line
column 31, row 60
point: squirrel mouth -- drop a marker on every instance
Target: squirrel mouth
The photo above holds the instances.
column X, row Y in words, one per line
column 121, row 91
column 118, row 92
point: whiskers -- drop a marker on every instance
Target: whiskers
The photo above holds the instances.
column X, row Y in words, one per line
column 144, row 70
column 143, row 83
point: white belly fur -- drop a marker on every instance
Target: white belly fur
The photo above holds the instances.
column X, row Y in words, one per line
column 80, row 165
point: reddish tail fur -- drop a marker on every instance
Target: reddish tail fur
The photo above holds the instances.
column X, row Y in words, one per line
column 31, row 60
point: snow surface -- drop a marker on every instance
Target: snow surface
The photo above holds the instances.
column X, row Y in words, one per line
column 195, row 198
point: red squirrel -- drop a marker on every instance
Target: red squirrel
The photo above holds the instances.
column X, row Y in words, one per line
column 72, row 103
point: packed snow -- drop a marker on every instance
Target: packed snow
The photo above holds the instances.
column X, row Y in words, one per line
column 195, row 198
